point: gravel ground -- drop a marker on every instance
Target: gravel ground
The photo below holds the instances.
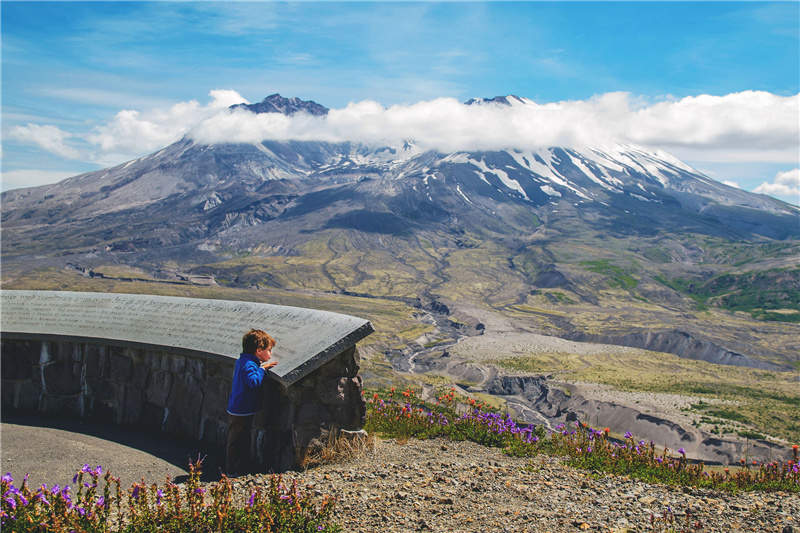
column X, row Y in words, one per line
column 443, row 486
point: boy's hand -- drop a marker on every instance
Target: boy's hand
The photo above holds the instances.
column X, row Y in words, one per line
column 268, row 365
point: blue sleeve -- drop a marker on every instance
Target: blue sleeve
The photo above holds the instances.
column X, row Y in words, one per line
column 253, row 375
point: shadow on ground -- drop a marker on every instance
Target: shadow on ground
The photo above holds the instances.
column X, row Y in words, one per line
column 50, row 450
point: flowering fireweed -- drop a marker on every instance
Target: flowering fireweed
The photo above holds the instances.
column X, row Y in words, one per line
column 583, row 446
column 171, row 509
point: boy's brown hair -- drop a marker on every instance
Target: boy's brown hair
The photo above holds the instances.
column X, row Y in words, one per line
column 255, row 339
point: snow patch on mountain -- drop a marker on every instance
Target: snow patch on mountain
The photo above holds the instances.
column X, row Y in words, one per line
column 503, row 175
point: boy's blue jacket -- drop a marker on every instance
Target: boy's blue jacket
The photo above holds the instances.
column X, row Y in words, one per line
column 245, row 396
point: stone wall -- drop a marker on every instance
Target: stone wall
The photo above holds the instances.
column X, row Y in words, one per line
column 173, row 393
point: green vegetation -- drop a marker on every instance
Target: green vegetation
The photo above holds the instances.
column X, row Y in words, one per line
column 617, row 276
column 406, row 416
column 770, row 295
column 171, row 508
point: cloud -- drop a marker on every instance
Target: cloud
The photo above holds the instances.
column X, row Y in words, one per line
column 745, row 126
column 48, row 138
column 134, row 133
column 748, row 122
column 129, row 134
column 784, row 184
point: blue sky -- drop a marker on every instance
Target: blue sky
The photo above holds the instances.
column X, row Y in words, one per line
column 70, row 68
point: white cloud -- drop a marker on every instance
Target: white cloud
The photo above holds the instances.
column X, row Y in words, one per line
column 746, row 126
column 785, row 184
column 48, row 138
column 752, row 125
column 133, row 133
column 130, row 134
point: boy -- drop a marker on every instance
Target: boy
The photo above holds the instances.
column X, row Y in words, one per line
column 245, row 400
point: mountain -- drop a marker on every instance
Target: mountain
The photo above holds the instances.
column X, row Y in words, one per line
column 618, row 244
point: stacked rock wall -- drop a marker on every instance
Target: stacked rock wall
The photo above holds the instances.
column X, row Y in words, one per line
column 172, row 393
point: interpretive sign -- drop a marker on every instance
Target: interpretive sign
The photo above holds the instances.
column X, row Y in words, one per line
column 306, row 338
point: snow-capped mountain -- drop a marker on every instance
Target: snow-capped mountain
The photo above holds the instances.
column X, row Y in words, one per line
column 404, row 222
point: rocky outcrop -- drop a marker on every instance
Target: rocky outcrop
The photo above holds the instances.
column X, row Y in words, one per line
column 680, row 343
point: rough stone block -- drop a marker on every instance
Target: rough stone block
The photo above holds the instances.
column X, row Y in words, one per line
column 158, row 387
column 347, row 417
column 355, row 390
column 184, row 403
column 215, row 398
column 301, row 392
column 344, row 364
column 305, row 435
column 97, row 363
column 19, row 358
column 173, row 363
column 28, row 396
column 196, row 368
column 62, row 379
column 103, row 390
column 314, row 414
column 153, row 416
column 8, row 393
column 65, row 351
column 152, row 359
column 133, row 405
column 332, row 391
column 121, row 367
column 46, row 355
column 69, row 406
column 140, row 374
column 213, row 432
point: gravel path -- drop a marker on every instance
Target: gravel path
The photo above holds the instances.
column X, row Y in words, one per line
column 446, row 486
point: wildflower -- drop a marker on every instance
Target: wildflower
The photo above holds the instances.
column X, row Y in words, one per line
column 252, row 499
column 159, row 495
column 101, row 502
column 11, row 503
column 681, row 451
column 135, row 493
column 8, row 479
column 628, row 435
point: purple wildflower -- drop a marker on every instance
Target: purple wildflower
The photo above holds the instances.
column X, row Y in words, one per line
column 628, row 435
column 159, row 495
column 681, row 451
column 251, row 500
column 135, row 493
column 12, row 502
column 7, row 478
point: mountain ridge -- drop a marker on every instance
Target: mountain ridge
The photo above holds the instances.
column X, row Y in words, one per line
column 504, row 227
